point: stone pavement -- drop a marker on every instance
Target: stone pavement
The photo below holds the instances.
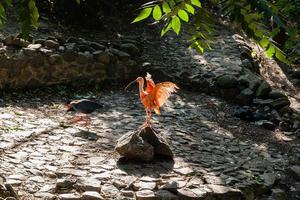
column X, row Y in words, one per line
column 44, row 157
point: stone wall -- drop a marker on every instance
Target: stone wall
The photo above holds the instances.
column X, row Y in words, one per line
column 55, row 60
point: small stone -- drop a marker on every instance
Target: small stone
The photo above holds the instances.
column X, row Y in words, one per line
column 34, row 46
column 91, row 195
column 224, row 193
column 146, row 195
column 278, row 194
column 65, row 183
column 121, row 54
column 294, row 172
column 51, row 44
column 187, row 194
column 14, row 41
column 274, row 94
column 88, row 184
column 166, row 195
column 127, row 193
column 280, row 102
column 245, row 97
column 171, row 186
column 263, row 90
column 45, row 195
column 97, row 46
column 227, row 81
column 266, row 124
column 284, row 126
column 184, row 171
column 144, row 185
column 109, row 190
column 130, row 48
column 69, row 196
column 269, row 178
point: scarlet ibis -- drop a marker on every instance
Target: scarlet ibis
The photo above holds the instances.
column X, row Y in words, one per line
column 84, row 106
column 155, row 95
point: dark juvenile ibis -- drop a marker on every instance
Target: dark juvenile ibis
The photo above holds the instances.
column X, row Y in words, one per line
column 84, row 106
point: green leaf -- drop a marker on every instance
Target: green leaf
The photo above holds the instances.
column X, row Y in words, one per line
column 196, row 3
column 78, row 1
column 34, row 13
column 280, row 55
column 189, row 8
column 176, row 24
column 156, row 13
column 143, row 15
column 166, row 28
column 166, row 8
column 183, row 15
column 264, row 42
column 2, row 13
column 172, row 3
column 271, row 50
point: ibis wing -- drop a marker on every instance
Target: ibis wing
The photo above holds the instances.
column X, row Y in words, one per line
column 150, row 85
column 162, row 92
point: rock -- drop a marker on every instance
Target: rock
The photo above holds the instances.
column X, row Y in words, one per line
column 227, row 81
column 166, row 195
column 134, row 147
column 263, row 90
column 146, row 195
column 130, row 48
column 51, row 44
column 91, row 195
column 224, row 193
column 294, row 172
column 245, row 97
column 143, row 145
column 278, row 194
column 275, row 94
column 243, row 113
column 266, row 124
column 14, row 41
column 280, row 102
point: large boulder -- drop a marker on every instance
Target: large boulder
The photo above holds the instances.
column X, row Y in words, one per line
column 143, row 145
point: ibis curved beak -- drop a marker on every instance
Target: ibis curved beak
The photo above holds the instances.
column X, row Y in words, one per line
column 130, row 84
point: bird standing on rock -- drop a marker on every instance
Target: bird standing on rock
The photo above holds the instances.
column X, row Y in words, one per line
column 84, row 106
column 154, row 96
